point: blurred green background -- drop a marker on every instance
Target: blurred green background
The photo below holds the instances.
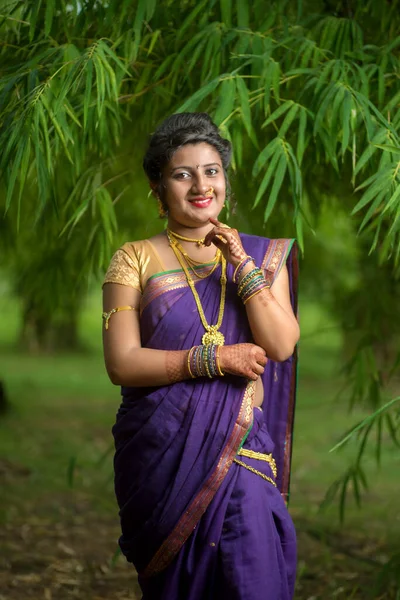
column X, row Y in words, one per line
column 308, row 91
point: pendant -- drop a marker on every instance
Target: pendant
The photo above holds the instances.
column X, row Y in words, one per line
column 213, row 336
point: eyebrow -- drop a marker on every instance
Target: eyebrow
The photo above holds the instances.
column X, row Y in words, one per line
column 192, row 168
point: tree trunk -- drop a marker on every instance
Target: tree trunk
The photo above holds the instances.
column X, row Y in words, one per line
column 46, row 333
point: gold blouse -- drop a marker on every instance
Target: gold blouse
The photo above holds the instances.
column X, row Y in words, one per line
column 133, row 264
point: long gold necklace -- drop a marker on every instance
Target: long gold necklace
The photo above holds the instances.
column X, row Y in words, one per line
column 212, row 335
column 191, row 262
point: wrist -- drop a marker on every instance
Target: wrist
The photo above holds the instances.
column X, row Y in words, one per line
column 242, row 267
column 204, row 361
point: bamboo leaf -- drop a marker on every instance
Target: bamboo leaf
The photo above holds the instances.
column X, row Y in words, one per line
column 278, row 180
column 393, row 199
column 15, row 170
column 301, row 135
column 278, row 112
column 192, row 16
column 245, row 108
column 346, row 116
column 34, row 16
column 48, row 19
column 389, row 148
column 365, row 422
column 226, row 100
column 264, row 156
column 194, row 100
column 356, row 489
column 288, row 120
column 267, row 177
column 226, row 12
column 137, row 26
column 242, row 9
column 88, row 92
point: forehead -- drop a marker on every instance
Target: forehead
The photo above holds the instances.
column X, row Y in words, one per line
column 195, row 154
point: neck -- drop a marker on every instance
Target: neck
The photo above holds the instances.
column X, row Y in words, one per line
column 190, row 232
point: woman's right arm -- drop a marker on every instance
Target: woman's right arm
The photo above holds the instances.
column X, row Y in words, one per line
column 129, row 364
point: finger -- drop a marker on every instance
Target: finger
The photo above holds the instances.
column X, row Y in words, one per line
column 258, row 369
column 216, row 231
column 262, row 360
column 253, row 376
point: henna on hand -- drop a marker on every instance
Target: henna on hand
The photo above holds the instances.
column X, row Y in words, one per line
column 175, row 364
column 227, row 240
column 245, row 360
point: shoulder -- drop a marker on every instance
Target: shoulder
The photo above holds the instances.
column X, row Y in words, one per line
column 269, row 253
column 133, row 249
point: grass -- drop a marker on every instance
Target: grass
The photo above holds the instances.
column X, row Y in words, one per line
column 55, row 449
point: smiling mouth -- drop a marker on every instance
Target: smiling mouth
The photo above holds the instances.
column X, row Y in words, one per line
column 200, row 199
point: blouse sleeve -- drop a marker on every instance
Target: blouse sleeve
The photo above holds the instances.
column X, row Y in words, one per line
column 123, row 269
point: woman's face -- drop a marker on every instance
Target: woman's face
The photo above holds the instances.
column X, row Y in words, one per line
column 194, row 185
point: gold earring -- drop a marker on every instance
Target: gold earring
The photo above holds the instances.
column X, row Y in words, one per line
column 162, row 212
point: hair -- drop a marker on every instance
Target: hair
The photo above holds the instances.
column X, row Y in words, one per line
column 178, row 130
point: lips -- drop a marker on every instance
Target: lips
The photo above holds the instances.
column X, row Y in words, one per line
column 201, row 202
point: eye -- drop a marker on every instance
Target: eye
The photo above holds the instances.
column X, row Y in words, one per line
column 181, row 175
column 212, row 171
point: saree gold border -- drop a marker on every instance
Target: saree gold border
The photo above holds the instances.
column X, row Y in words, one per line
column 188, row 521
column 165, row 282
column 287, row 459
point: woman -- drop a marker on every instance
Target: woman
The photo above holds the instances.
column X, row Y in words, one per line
column 200, row 332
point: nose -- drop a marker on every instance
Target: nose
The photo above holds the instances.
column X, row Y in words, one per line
column 200, row 184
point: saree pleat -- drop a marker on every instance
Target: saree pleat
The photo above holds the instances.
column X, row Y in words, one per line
column 184, row 503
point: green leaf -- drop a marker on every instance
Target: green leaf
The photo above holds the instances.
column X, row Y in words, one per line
column 301, row 135
column 264, row 156
column 242, row 9
column 346, row 115
column 194, row 100
column 137, row 26
column 226, row 100
column 48, row 19
column 278, row 112
column 34, row 16
column 278, row 180
column 388, row 148
column 365, row 422
column 16, row 165
column 226, row 12
column 245, row 108
column 192, row 16
column 393, row 199
column 88, row 92
column 288, row 120
column 267, row 177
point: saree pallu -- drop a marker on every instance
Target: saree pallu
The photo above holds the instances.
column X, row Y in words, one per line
column 196, row 524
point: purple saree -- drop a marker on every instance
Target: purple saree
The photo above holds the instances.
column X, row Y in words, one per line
column 196, row 524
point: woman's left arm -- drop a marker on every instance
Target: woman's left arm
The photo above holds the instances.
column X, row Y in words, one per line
column 272, row 321
column 271, row 318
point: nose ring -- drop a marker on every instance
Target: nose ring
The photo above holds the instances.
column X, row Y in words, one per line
column 210, row 191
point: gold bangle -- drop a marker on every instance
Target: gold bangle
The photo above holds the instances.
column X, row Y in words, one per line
column 220, row 371
column 106, row 315
column 238, row 267
column 189, row 357
column 266, row 287
column 256, row 273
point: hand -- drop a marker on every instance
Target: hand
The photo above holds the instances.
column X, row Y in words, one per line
column 227, row 240
column 245, row 360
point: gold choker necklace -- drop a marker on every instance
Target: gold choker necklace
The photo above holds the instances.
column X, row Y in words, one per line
column 199, row 242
